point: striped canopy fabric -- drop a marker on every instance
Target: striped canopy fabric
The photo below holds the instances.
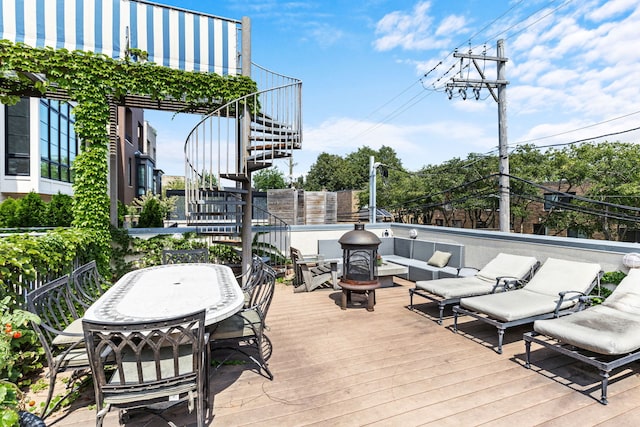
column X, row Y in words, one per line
column 172, row 37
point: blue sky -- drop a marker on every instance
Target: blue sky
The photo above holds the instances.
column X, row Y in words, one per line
column 373, row 74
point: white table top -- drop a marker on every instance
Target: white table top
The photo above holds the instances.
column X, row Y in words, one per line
column 170, row 290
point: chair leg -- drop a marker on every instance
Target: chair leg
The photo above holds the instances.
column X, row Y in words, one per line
column 52, row 383
column 410, row 299
column 500, row 338
column 455, row 321
column 527, row 346
column 441, row 307
column 605, row 382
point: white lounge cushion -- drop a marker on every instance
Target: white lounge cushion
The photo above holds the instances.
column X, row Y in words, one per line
column 558, row 275
column 507, row 265
column 609, row 328
column 514, row 305
column 484, row 280
column 456, row 287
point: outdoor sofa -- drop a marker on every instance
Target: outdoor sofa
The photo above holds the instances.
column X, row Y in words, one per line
column 412, row 253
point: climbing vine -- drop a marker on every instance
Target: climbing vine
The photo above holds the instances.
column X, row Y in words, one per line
column 91, row 81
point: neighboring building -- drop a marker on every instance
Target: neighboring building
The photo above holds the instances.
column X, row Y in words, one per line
column 137, row 172
column 39, row 145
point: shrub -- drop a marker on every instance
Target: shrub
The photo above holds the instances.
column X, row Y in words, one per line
column 151, row 215
column 31, row 211
column 60, row 211
column 8, row 212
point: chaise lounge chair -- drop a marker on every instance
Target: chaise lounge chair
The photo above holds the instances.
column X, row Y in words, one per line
column 552, row 292
column 501, row 273
column 604, row 336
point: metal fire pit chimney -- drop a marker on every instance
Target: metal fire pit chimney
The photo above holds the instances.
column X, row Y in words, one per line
column 359, row 256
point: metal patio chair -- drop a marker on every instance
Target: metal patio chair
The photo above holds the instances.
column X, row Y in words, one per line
column 88, row 284
column 181, row 256
column 244, row 331
column 60, row 334
column 154, row 362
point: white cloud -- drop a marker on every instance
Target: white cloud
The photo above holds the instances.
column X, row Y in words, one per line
column 415, row 30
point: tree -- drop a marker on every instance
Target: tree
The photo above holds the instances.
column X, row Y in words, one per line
column 331, row 173
column 176, row 183
column 269, row 179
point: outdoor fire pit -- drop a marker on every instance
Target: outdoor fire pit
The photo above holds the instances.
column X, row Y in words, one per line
column 359, row 272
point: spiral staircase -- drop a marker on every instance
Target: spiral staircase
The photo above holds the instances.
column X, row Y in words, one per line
column 228, row 145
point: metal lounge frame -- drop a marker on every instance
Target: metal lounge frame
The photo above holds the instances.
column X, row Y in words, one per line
column 605, row 364
column 503, row 283
column 563, row 297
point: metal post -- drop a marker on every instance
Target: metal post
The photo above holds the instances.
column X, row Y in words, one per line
column 247, row 213
column 505, row 209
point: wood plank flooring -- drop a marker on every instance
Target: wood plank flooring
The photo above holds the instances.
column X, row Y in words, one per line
column 398, row 367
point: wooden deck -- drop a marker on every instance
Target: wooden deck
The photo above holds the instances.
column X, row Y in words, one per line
column 397, row 367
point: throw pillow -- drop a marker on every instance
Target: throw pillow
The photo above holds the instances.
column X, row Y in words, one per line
column 439, row 259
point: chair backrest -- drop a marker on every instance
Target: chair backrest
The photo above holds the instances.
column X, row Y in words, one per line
column 150, row 359
column 558, row 275
column 54, row 305
column 517, row 266
column 181, row 256
column 262, row 292
column 296, row 256
column 254, row 275
column 626, row 296
column 88, row 284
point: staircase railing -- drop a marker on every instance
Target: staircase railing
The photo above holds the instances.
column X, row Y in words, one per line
column 218, row 155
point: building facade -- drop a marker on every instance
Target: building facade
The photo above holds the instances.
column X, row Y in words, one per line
column 39, row 146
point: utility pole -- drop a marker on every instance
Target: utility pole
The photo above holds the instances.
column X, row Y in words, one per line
column 501, row 98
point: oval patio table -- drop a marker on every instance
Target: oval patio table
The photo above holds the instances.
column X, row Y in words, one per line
column 166, row 291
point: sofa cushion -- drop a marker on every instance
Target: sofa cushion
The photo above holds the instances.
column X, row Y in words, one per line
column 439, row 259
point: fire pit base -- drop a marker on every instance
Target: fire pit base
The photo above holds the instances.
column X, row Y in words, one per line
column 368, row 289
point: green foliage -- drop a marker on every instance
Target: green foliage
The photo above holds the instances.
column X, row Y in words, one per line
column 10, row 404
column 25, row 258
column 153, row 209
column 17, row 341
column 269, row 179
column 151, row 215
column 60, row 211
column 31, row 211
column 176, row 183
column 8, row 212
column 613, row 277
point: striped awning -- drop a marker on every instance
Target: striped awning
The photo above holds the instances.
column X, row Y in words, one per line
column 172, row 37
